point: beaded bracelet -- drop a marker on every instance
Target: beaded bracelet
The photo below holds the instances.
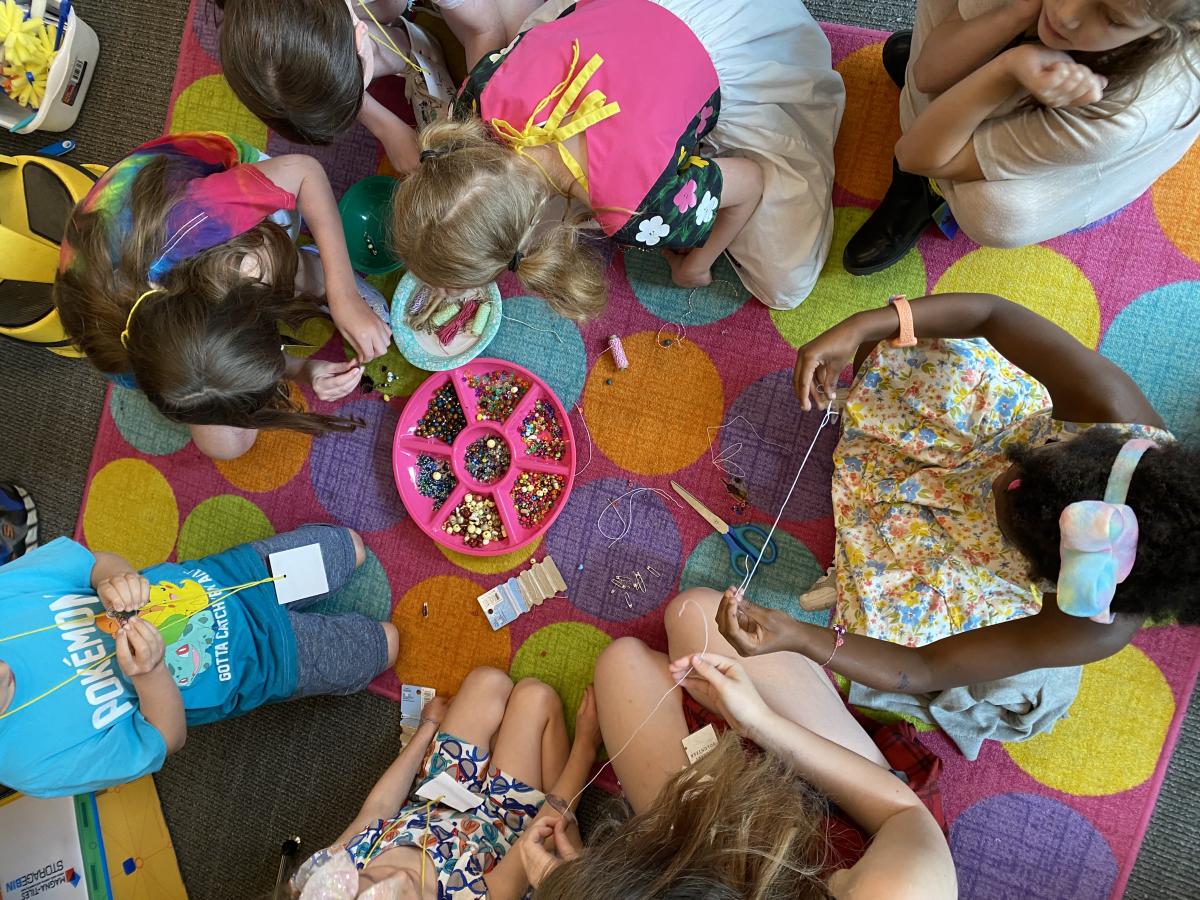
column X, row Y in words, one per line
column 430, row 722
column 839, row 638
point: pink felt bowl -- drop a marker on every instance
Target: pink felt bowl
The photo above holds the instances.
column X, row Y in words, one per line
column 408, row 446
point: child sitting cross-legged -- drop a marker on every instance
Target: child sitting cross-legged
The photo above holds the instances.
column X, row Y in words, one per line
column 101, row 674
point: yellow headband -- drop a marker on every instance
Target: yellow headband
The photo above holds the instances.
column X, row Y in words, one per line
column 132, row 310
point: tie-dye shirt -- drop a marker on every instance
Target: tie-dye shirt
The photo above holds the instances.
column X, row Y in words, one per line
column 218, row 196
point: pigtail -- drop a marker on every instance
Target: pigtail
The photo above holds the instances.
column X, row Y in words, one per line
column 564, row 272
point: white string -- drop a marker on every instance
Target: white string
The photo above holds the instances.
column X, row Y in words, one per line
column 661, row 701
column 626, row 524
column 550, row 331
column 588, row 432
column 825, row 420
column 724, row 460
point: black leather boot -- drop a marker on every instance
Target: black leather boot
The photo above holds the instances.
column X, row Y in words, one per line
column 905, row 211
column 896, row 50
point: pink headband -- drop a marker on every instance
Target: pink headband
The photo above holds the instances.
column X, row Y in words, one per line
column 1099, row 542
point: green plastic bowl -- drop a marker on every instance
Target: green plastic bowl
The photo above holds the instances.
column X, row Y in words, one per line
column 366, row 211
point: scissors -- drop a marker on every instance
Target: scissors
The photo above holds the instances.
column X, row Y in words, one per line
column 742, row 550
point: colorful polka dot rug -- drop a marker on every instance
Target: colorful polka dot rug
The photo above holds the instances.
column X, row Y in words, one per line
column 1059, row 816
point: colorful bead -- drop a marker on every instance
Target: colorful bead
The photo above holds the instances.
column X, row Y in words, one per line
column 434, row 479
column 497, row 394
column 534, row 495
column 542, row 432
column 487, row 460
column 444, row 417
column 476, row 521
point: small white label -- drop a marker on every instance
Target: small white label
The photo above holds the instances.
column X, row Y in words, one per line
column 301, row 571
column 413, row 698
column 442, row 788
column 699, row 745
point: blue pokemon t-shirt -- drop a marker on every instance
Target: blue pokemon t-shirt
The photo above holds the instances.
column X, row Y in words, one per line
column 227, row 656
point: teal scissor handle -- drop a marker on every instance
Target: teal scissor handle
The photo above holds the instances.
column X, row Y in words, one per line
column 744, row 549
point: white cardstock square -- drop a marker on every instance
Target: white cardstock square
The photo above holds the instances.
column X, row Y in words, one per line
column 301, row 571
column 442, row 788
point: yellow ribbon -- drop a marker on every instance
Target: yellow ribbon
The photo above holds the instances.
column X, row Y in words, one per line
column 698, row 161
column 592, row 109
column 132, row 310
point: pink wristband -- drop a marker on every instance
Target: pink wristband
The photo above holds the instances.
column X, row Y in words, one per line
column 839, row 638
column 908, row 337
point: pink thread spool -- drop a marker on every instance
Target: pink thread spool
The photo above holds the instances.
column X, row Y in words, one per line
column 618, row 352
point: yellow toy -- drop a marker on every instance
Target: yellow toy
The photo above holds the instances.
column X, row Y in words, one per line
column 19, row 34
column 37, row 195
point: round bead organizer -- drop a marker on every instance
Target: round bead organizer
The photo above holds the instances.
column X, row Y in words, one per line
column 484, row 457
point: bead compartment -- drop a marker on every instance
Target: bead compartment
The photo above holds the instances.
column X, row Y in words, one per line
column 520, row 515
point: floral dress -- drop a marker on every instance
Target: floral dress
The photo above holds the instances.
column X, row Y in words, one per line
column 648, row 181
column 926, row 430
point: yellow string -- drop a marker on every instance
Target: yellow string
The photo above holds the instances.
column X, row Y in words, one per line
column 225, row 593
column 388, row 43
column 132, row 310
column 61, row 684
column 383, row 833
column 592, row 109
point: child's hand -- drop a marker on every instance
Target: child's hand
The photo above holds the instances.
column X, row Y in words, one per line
column 723, row 683
column 587, row 723
column 821, row 361
column 684, row 272
column 140, row 648
column 358, row 323
column 1053, row 78
column 435, row 711
column 753, row 629
column 127, row 592
column 332, row 380
column 537, row 858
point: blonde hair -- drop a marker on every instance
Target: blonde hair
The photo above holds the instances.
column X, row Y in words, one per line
column 731, row 826
column 471, row 209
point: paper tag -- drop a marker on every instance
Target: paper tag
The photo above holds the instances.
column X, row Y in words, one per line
column 503, row 604
column 700, row 744
column 413, row 699
column 442, row 788
column 302, row 570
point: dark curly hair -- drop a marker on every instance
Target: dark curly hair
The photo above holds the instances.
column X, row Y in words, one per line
column 1164, row 495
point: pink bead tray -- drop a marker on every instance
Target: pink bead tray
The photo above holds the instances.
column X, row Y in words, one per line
column 408, row 447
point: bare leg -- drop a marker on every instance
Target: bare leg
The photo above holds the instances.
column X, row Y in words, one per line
column 792, row 685
column 222, row 441
column 630, row 680
column 532, row 744
column 478, row 708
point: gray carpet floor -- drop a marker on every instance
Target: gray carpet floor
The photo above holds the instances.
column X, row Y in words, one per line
column 238, row 788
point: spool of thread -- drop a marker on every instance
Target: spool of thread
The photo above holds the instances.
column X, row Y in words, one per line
column 445, row 314
column 618, row 352
column 479, row 323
